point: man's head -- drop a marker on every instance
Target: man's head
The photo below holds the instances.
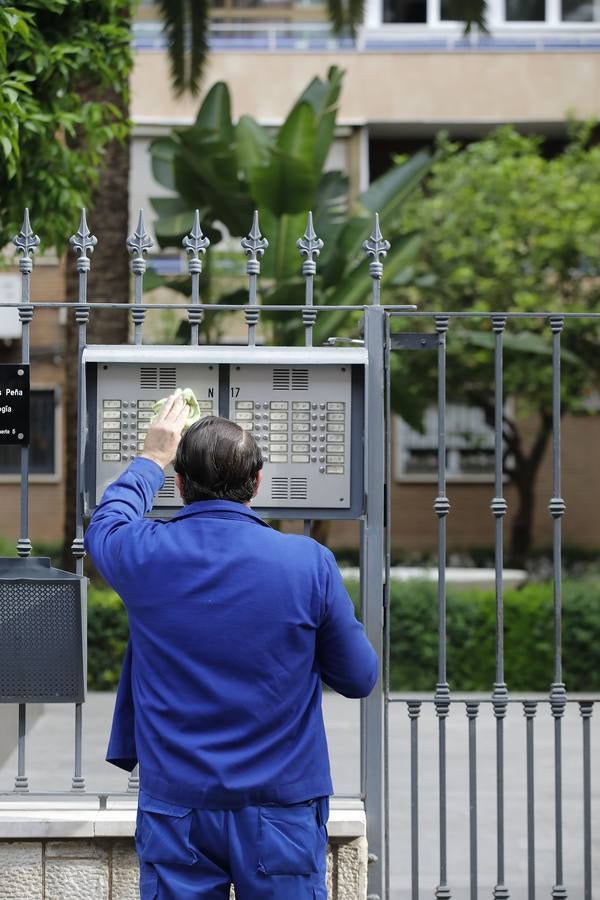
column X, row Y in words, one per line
column 217, row 460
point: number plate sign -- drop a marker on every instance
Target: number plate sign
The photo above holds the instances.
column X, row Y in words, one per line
column 14, row 405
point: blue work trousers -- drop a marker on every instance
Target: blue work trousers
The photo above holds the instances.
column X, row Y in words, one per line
column 268, row 852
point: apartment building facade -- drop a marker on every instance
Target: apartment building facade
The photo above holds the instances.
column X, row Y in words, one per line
column 410, row 72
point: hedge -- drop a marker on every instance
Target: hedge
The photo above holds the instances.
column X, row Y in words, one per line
column 529, row 630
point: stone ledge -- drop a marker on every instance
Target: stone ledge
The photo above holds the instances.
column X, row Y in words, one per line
column 26, row 819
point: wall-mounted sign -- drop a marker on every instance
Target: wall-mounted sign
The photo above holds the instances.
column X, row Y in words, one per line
column 14, row 405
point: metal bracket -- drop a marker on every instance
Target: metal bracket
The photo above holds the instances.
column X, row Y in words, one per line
column 408, row 340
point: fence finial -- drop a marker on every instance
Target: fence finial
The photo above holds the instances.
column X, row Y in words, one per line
column 376, row 247
column 195, row 242
column 139, row 242
column 309, row 246
column 83, row 242
column 26, row 243
column 254, row 245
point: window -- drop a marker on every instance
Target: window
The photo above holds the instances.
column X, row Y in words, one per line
column 405, row 11
column 525, row 10
column 469, row 445
column 42, row 447
column 580, row 11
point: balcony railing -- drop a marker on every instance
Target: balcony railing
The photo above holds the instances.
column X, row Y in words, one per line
column 272, row 36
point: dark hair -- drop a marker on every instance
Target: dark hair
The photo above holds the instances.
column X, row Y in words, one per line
column 217, row 460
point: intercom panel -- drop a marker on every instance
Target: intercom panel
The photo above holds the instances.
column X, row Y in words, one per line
column 121, row 398
column 304, row 406
column 301, row 418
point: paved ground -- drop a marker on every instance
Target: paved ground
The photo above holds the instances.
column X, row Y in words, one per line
column 50, row 755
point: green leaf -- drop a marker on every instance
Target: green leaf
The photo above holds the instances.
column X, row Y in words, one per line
column 287, row 185
column 253, row 143
column 214, row 114
column 296, row 137
column 163, row 152
column 386, row 194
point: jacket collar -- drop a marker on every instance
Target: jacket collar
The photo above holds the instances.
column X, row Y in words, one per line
column 226, row 509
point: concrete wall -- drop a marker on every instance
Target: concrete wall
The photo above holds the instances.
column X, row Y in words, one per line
column 107, row 869
column 385, row 87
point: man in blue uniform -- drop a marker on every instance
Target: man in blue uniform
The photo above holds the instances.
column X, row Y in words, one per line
column 233, row 626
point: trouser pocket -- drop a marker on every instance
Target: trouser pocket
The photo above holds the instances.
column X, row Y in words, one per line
column 287, row 840
column 163, row 832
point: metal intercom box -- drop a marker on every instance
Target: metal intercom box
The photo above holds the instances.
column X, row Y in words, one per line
column 304, row 406
column 42, row 633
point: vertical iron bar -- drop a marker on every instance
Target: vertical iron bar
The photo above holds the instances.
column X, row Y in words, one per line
column 442, row 691
column 586, row 708
column 558, row 694
column 82, row 243
column 138, row 244
column 254, row 246
column 500, row 692
column 195, row 244
column 27, row 244
column 362, row 574
column 529, row 711
column 374, row 549
column 387, row 615
column 21, row 781
column 472, row 708
column 309, row 246
column 414, row 711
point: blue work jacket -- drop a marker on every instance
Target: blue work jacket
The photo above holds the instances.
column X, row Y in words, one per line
column 233, row 625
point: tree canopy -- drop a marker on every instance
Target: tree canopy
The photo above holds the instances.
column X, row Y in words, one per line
column 506, row 227
column 51, row 139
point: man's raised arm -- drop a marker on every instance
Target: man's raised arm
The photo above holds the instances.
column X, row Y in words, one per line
column 126, row 501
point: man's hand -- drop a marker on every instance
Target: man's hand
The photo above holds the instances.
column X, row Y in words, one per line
column 164, row 433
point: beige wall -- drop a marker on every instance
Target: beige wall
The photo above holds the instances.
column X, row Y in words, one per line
column 387, row 87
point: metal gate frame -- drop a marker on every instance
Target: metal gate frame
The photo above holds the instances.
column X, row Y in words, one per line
column 442, row 699
column 375, row 536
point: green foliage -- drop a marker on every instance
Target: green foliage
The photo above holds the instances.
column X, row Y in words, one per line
column 227, row 171
column 59, row 59
column 108, row 632
column 506, row 229
column 529, row 632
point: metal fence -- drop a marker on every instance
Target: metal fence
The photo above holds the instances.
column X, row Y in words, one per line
column 381, row 338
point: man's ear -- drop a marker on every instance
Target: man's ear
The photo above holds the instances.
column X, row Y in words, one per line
column 178, row 483
column 257, row 482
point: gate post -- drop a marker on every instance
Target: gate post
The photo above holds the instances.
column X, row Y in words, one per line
column 372, row 767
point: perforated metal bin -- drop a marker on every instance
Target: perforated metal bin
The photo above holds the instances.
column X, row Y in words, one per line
column 42, row 633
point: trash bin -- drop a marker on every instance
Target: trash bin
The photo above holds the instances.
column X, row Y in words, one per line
column 42, row 633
